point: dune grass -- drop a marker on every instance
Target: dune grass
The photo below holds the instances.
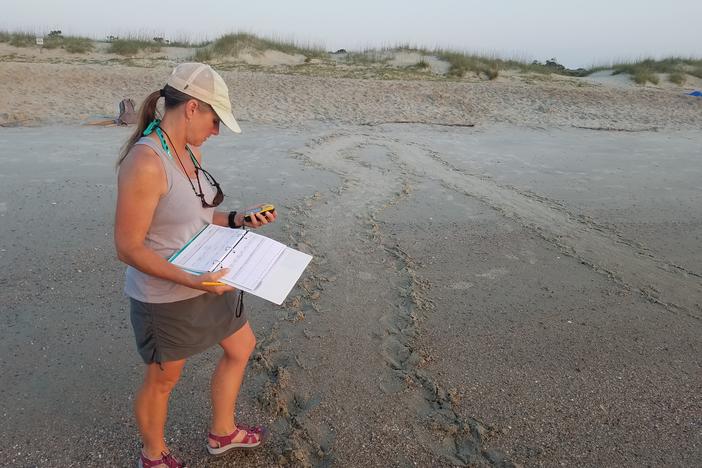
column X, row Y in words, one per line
column 231, row 45
column 647, row 70
column 460, row 63
column 678, row 78
column 72, row 44
column 133, row 44
column 21, row 39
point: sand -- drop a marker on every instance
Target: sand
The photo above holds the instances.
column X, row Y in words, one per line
column 522, row 292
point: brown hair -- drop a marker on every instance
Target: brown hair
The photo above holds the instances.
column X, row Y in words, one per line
column 147, row 113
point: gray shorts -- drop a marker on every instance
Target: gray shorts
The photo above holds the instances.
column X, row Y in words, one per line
column 176, row 330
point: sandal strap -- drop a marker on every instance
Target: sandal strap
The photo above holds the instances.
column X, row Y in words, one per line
column 252, row 436
column 253, row 429
column 225, row 439
column 167, row 459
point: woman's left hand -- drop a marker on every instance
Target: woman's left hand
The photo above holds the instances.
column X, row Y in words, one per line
column 257, row 219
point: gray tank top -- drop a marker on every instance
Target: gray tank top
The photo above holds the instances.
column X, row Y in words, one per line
column 179, row 215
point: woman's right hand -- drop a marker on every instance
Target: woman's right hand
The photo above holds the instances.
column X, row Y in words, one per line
column 200, row 282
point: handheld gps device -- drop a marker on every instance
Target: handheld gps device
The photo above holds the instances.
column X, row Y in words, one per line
column 263, row 209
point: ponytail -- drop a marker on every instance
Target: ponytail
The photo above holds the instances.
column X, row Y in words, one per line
column 147, row 113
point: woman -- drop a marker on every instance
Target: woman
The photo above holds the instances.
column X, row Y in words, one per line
column 164, row 198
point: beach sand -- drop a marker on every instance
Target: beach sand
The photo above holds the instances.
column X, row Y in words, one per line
column 525, row 292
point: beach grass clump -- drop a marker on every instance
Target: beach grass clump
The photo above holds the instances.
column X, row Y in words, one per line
column 643, row 75
column 22, row 39
column 71, row 44
column 77, row 45
column 52, row 40
column 231, row 45
column 461, row 63
column 677, row 78
column 133, row 45
column 422, row 64
column 203, row 55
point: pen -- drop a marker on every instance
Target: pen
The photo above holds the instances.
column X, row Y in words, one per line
column 212, row 283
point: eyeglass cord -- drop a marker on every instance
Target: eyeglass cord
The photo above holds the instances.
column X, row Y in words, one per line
column 160, row 131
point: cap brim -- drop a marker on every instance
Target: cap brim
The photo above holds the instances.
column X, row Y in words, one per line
column 227, row 119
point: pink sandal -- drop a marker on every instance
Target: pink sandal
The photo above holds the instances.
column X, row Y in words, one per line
column 253, row 438
column 167, row 460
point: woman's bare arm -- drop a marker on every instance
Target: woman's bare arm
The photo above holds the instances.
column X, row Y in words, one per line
column 141, row 183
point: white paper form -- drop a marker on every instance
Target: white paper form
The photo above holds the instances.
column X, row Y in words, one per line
column 207, row 250
column 250, row 260
column 248, row 255
column 259, row 265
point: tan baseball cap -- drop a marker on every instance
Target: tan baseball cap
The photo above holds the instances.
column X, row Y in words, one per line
column 202, row 82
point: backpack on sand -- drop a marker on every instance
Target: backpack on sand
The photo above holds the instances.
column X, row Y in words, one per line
column 127, row 112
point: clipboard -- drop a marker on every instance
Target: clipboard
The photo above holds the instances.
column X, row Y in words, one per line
column 261, row 266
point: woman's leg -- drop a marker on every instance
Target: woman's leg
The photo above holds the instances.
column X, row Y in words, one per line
column 151, row 404
column 227, row 379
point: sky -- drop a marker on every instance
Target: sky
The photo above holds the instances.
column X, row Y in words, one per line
column 578, row 33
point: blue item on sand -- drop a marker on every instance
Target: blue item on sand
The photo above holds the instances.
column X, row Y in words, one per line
column 695, row 93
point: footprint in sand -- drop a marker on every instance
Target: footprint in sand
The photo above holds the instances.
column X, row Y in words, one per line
column 530, row 256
